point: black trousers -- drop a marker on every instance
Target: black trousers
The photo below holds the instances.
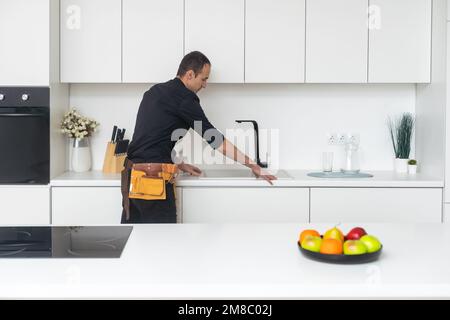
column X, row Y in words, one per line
column 153, row 211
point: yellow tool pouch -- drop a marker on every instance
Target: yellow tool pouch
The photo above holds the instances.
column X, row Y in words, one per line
column 146, row 188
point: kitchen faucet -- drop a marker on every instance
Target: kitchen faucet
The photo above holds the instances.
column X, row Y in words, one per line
column 256, row 131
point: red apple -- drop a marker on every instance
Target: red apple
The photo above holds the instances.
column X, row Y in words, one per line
column 356, row 233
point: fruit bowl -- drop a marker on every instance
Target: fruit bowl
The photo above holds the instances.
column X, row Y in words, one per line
column 341, row 258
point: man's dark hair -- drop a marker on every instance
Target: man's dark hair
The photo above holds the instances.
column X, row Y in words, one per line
column 192, row 61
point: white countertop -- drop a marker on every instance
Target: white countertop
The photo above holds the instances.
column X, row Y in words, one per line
column 300, row 179
column 240, row 261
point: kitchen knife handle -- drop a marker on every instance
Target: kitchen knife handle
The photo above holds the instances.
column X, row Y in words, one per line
column 113, row 138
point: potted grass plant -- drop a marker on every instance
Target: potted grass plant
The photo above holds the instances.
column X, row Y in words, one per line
column 401, row 131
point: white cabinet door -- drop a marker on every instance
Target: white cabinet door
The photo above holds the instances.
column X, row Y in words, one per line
column 336, row 41
column 91, row 41
column 179, row 204
column 152, row 39
column 24, row 43
column 216, row 28
column 24, row 205
column 334, row 205
column 448, row 10
column 446, row 213
column 77, row 206
column 275, row 41
column 236, row 205
column 400, row 41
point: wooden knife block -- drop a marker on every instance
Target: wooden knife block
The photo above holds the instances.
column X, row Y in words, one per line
column 113, row 163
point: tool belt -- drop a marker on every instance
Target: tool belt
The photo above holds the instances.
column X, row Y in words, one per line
column 146, row 181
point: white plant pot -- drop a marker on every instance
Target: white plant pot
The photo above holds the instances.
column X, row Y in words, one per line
column 401, row 165
column 412, row 169
column 81, row 155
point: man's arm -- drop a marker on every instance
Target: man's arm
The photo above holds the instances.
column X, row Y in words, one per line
column 232, row 152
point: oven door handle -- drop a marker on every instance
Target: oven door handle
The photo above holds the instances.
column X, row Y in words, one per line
column 22, row 114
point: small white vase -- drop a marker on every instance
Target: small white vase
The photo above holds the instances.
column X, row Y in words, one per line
column 401, row 165
column 81, row 155
column 412, row 169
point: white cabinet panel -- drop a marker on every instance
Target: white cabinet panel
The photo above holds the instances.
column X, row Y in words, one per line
column 221, row 205
column 91, row 49
column 275, row 41
column 336, row 41
column 400, row 41
column 152, row 39
column 86, row 205
column 447, row 124
column 24, row 205
column 179, row 204
column 376, row 205
column 24, row 42
column 448, row 10
column 216, row 28
column 446, row 213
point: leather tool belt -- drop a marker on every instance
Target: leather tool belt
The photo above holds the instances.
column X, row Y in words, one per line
column 146, row 181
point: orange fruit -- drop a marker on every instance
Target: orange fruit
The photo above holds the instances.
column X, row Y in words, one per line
column 331, row 246
column 306, row 233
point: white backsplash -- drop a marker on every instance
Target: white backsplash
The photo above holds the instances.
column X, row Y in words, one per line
column 303, row 114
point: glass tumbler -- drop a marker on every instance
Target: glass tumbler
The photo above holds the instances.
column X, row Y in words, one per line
column 327, row 161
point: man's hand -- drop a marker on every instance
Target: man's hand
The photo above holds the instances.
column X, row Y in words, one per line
column 193, row 171
column 259, row 173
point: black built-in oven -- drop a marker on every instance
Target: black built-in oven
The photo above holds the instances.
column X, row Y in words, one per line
column 24, row 135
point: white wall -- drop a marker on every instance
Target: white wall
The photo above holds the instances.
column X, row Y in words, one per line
column 304, row 114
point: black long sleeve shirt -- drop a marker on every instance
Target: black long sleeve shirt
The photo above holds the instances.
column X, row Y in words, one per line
column 165, row 108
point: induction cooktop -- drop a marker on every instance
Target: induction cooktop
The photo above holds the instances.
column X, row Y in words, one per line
column 63, row 242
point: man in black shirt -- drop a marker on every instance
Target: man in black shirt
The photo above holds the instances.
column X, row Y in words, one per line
column 165, row 109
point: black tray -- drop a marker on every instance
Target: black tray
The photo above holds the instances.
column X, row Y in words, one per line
column 341, row 258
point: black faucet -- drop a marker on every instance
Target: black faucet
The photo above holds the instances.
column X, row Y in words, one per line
column 255, row 127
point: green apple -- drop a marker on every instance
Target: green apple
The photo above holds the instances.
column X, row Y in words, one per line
column 312, row 243
column 371, row 242
column 354, row 247
column 334, row 233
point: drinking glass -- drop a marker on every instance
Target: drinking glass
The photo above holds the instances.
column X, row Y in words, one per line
column 327, row 161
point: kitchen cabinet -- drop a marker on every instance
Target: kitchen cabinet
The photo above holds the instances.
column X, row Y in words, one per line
column 242, row 205
column 448, row 11
column 446, row 216
column 25, row 43
column 91, row 48
column 24, row 205
column 445, row 113
column 414, row 205
column 400, row 41
column 216, row 28
column 275, row 41
column 336, row 41
column 152, row 39
column 179, row 204
column 86, row 205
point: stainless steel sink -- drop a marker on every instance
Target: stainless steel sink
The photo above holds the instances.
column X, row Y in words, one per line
column 238, row 174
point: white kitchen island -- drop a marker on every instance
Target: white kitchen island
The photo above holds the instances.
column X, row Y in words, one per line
column 225, row 261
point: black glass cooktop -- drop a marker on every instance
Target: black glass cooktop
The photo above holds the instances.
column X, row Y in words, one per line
column 63, row 242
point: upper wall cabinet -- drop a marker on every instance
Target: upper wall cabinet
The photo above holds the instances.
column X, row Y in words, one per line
column 152, row 39
column 275, row 41
column 253, row 41
column 25, row 43
column 91, row 49
column 400, row 41
column 216, row 28
column 336, row 41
